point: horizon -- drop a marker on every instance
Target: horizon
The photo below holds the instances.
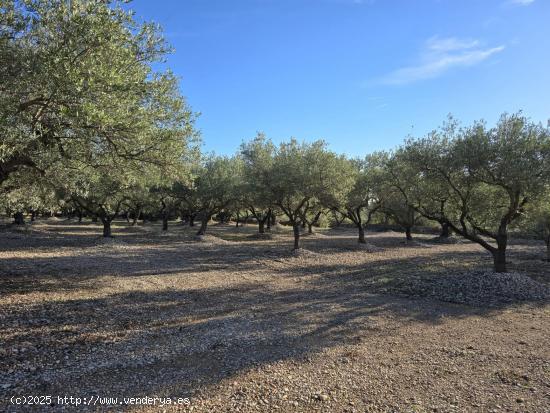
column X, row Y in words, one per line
column 360, row 74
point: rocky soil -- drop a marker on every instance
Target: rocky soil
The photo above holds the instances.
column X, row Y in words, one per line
column 238, row 323
column 480, row 288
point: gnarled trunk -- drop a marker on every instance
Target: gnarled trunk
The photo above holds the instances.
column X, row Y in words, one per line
column 261, row 226
column 499, row 254
column 165, row 222
column 361, row 239
column 204, row 224
column 137, row 213
column 445, row 230
column 499, row 259
column 106, row 228
column 408, row 233
column 268, row 220
column 296, row 228
column 18, row 218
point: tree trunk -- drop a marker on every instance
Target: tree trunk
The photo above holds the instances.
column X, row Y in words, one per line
column 106, row 228
column 548, row 249
column 237, row 220
column 499, row 258
column 204, row 224
column 296, row 228
column 18, row 218
column 192, row 220
column 361, row 234
column 261, row 226
column 309, row 228
column 408, row 233
column 79, row 213
column 499, row 254
column 165, row 222
column 268, row 220
column 137, row 213
column 33, row 215
column 94, row 219
column 445, row 233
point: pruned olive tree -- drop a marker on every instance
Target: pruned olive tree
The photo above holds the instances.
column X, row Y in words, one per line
column 396, row 207
column 164, row 200
column 26, row 193
column 98, row 192
column 258, row 156
column 138, row 200
column 302, row 173
column 486, row 176
column 311, row 214
column 215, row 186
column 357, row 195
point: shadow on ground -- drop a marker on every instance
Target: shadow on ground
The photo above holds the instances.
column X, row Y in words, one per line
column 177, row 340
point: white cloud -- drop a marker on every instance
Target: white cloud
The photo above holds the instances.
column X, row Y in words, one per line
column 439, row 56
column 522, row 2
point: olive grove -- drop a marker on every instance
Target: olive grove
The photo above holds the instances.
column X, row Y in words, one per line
column 89, row 128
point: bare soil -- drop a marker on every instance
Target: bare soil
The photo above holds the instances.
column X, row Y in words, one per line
column 240, row 323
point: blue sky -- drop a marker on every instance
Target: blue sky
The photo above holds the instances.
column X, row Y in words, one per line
column 361, row 74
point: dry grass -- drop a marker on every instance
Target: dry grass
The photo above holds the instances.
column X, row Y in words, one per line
column 240, row 323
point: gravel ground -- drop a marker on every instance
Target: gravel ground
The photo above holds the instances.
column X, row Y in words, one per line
column 240, row 323
column 480, row 288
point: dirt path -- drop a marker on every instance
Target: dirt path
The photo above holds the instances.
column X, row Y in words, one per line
column 240, row 324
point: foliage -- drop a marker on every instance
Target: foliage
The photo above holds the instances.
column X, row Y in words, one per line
column 78, row 84
column 258, row 158
column 537, row 219
column 358, row 193
column 215, row 186
column 302, row 174
column 476, row 180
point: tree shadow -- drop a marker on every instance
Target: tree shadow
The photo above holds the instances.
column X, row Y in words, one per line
column 177, row 341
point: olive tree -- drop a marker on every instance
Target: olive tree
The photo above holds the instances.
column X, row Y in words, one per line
column 215, row 186
column 100, row 193
column 357, row 195
column 396, row 207
column 486, row 176
column 537, row 220
column 258, row 157
column 138, row 199
column 302, row 174
column 27, row 192
column 77, row 79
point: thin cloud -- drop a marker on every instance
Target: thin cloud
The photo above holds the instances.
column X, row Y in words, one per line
column 439, row 56
column 522, row 2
